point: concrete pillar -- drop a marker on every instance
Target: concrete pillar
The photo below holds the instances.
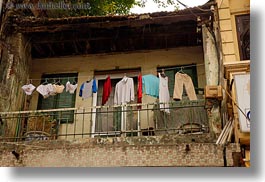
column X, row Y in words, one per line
column 212, row 74
column 210, row 57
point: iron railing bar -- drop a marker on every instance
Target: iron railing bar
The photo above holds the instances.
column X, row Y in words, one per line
column 100, row 133
column 90, row 112
column 188, row 104
column 75, row 121
column 83, row 122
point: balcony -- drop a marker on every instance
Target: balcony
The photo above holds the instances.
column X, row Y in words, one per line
column 184, row 117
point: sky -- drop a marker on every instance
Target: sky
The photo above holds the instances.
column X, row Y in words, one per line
column 153, row 7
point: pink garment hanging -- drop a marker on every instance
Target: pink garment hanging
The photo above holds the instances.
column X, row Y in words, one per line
column 70, row 87
column 28, row 89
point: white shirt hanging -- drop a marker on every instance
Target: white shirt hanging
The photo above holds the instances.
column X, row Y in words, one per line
column 124, row 91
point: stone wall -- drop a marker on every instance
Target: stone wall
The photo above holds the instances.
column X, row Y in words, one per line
column 116, row 152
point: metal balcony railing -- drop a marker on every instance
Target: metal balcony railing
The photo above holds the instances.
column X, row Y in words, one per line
column 104, row 121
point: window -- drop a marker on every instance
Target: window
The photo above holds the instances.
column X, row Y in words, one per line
column 62, row 100
column 188, row 69
column 243, row 36
column 108, row 121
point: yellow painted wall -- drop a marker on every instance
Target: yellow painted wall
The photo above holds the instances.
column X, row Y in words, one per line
column 227, row 10
column 85, row 66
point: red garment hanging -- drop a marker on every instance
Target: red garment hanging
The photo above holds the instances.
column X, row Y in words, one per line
column 139, row 90
column 106, row 90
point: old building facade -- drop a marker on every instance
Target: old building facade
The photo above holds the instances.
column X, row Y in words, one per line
column 84, row 52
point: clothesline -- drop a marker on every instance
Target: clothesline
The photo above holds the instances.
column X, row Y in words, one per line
column 187, row 66
column 90, row 77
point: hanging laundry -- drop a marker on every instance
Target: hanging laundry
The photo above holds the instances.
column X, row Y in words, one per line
column 70, row 87
column 106, row 90
column 46, row 90
column 28, row 89
column 163, row 93
column 139, row 90
column 58, row 88
column 180, row 80
column 124, row 91
column 150, row 85
column 86, row 89
column 94, row 86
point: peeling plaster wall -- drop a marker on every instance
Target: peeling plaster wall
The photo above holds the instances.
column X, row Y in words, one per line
column 14, row 68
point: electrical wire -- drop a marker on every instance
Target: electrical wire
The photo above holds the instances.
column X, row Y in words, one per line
column 197, row 7
column 236, row 104
column 187, row 8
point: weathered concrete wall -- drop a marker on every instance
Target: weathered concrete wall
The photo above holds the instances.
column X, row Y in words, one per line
column 15, row 67
column 116, row 152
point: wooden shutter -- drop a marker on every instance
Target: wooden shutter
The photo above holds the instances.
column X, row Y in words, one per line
column 62, row 100
column 171, row 81
column 171, row 71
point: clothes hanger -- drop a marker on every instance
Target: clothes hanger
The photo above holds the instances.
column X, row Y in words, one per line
column 54, row 81
column 74, row 82
column 163, row 73
column 59, row 82
column 125, row 75
column 181, row 70
column 88, row 80
column 45, row 82
column 29, row 81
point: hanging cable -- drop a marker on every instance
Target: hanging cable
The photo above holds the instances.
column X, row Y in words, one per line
column 187, row 8
column 197, row 7
column 236, row 104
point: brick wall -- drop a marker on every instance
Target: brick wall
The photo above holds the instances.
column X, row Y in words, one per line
column 115, row 152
